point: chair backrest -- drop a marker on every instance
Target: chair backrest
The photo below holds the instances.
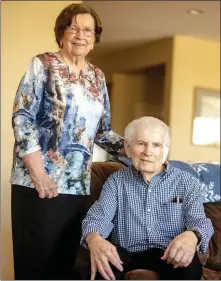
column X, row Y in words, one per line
column 100, row 172
column 212, row 258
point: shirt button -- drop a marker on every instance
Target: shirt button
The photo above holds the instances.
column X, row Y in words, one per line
column 148, row 210
column 149, row 229
column 149, row 190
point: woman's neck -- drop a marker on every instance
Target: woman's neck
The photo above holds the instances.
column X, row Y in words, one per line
column 77, row 63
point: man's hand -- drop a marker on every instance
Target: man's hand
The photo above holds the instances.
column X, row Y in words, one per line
column 44, row 185
column 102, row 252
column 181, row 250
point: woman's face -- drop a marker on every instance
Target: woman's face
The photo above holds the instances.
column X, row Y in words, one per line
column 79, row 37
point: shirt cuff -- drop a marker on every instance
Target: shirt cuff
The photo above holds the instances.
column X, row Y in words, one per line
column 23, row 152
column 202, row 247
column 95, row 228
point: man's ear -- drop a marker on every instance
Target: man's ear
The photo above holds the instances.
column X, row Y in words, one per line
column 165, row 153
column 127, row 148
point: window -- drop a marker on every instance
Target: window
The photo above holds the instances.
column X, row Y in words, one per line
column 206, row 121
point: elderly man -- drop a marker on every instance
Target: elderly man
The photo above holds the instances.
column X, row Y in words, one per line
column 153, row 212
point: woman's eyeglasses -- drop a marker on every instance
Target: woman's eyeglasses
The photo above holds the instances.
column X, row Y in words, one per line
column 75, row 29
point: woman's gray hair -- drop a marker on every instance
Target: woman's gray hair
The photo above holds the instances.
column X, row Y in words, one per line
column 147, row 122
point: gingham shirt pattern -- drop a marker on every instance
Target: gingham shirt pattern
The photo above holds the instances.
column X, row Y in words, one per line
column 140, row 216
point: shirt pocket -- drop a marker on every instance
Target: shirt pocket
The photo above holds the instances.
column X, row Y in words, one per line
column 170, row 219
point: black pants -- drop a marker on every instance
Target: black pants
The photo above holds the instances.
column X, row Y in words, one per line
column 150, row 260
column 46, row 234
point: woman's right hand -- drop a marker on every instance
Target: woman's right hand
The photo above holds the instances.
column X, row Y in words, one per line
column 102, row 252
column 44, row 185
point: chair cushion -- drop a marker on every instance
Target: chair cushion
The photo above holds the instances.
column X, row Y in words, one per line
column 209, row 274
column 209, row 175
column 143, row 274
column 185, row 167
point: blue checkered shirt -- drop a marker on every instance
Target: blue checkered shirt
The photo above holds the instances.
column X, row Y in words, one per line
column 140, row 216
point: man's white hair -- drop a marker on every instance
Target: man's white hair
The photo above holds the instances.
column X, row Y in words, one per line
column 147, row 122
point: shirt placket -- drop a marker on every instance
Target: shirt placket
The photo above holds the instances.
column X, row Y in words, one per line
column 150, row 201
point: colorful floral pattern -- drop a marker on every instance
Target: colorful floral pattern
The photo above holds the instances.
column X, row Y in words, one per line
column 62, row 116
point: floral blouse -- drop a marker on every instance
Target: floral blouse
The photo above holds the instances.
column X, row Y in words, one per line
column 62, row 116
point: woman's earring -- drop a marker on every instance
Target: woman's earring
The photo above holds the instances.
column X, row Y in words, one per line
column 61, row 44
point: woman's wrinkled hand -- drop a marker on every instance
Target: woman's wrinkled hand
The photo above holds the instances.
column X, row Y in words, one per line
column 102, row 253
column 45, row 186
column 43, row 183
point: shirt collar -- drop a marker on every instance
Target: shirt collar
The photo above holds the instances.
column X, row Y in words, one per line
column 167, row 169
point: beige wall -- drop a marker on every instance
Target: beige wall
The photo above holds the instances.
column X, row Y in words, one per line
column 196, row 63
column 143, row 56
column 127, row 90
column 134, row 96
column 27, row 29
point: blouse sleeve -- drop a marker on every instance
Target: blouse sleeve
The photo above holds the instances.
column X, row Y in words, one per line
column 106, row 138
column 26, row 106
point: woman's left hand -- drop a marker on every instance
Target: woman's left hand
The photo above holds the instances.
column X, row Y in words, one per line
column 123, row 152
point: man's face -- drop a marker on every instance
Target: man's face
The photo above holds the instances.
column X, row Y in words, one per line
column 146, row 150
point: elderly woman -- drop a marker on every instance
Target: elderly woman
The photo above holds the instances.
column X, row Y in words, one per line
column 61, row 108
